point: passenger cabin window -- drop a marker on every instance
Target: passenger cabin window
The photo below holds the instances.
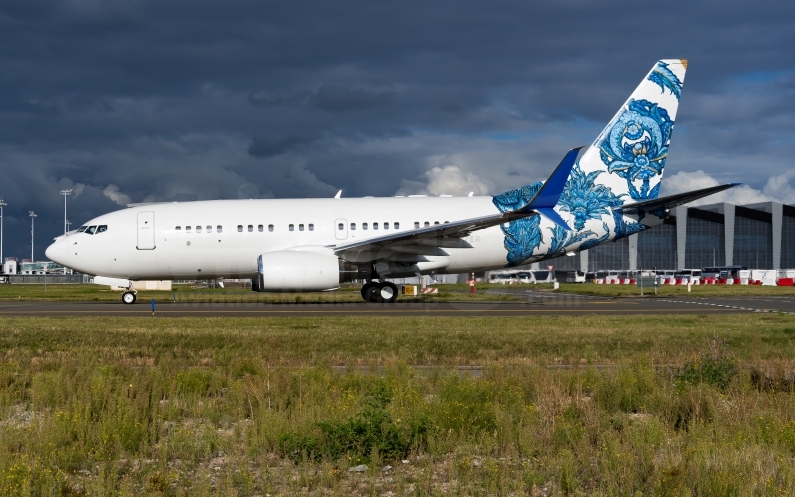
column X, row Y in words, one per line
column 209, row 229
column 83, row 228
column 416, row 225
column 250, row 228
column 364, row 226
column 178, row 228
column 397, row 226
column 353, row 226
column 300, row 227
column 101, row 229
column 187, row 229
column 270, row 227
column 260, row 228
column 91, row 230
column 239, row 228
column 375, row 226
column 340, row 227
column 386, row 226
column 311, row 227
column 219, row 228
column 198, row 229
column 436, row 222
column 291, row 227
column 427, row 224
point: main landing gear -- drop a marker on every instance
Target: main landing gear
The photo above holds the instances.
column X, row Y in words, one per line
column 128, row 297
column 379, row 292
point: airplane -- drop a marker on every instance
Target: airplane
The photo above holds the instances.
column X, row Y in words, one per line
column 596, row 195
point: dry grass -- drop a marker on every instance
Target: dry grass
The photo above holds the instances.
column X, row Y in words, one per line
column 698, row 405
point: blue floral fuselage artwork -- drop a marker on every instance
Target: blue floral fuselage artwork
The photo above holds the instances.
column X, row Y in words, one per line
column 636, row 146
column 522, row 236
column 582, row 197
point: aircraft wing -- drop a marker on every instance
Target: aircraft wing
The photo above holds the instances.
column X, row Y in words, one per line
column 449, row 234
column 438, row 235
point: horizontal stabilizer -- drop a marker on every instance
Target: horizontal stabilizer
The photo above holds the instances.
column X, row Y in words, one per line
column 672, row 201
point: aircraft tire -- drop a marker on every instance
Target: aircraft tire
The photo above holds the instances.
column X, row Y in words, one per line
column 371, row 292
column 128, row 297
column 389, row 292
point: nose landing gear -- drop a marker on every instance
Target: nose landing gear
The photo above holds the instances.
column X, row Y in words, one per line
column 379, row 292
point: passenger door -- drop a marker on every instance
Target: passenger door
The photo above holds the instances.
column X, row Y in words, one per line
column 146, row 230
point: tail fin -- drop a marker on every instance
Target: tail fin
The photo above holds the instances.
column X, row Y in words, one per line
column 626, row 162
column 632, row 149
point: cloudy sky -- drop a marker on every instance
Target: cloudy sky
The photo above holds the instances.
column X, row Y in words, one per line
column 133, row 101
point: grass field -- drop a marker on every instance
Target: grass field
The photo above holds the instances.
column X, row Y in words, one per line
column 187, row 293
column 685, row 405
column 447, row 293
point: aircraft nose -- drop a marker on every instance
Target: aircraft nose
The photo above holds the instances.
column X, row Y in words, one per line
column 56, row 252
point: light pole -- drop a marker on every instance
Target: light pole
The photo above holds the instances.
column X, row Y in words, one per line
column 68, row 225
column 32, row 231
column 2, row 204
column 65, row 194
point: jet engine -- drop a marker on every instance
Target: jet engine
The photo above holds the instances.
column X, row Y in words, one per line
column 303, row 271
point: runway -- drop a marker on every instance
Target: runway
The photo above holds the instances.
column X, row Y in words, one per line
column 533, row 304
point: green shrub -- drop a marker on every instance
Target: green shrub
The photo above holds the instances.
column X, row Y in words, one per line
column 466, row 405
column 370, row 429
column 714, row 367
column 193, row 382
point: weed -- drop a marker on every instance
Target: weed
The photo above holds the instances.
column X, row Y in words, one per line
column 715, row 366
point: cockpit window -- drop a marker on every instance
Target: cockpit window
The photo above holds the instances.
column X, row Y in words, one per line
column 91, row 230
column 82, row 229
column 102, row 228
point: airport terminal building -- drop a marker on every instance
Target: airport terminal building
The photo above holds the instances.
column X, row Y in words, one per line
column 757, row 236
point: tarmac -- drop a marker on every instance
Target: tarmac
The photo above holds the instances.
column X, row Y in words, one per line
column 533, row 304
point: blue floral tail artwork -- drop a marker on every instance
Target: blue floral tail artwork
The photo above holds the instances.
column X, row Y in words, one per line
column 624, row 164
column 633, row 147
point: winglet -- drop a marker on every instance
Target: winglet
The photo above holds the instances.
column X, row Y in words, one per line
column 547, row 197
column 338, row 195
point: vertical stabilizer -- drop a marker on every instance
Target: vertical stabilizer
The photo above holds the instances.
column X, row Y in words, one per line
column 629, row 154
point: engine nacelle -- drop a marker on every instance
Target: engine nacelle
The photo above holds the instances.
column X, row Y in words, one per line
column 298, row 271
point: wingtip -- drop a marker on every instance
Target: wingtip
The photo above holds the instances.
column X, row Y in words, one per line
column 734, row 184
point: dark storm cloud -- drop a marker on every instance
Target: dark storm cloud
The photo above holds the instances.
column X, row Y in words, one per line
column 154, row 101
column 268, row 147
column 330, row 98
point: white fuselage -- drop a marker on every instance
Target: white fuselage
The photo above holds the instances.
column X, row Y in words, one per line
column 184, row 247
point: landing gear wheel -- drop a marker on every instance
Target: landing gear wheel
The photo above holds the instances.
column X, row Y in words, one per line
column 371, row 292
column 389, row 292
column 128, row 297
